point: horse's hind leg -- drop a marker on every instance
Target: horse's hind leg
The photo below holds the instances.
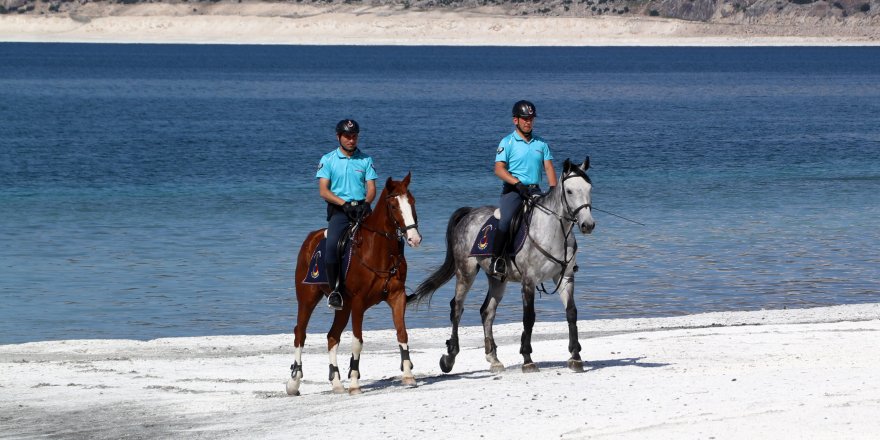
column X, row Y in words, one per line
column 307, row 303
column 525, row 348
column 464, row 279
column 574, row 347
column 487, row 314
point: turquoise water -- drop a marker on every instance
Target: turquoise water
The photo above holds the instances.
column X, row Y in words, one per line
column 150, row 191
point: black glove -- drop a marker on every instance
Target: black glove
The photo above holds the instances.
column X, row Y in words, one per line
column 349, row 209
column 356, row 212
column 522, row 190
column 363, row 210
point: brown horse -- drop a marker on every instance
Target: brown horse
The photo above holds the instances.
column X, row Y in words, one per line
column 376, row 273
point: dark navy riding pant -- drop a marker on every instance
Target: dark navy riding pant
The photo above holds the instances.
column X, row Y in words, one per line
column 510, row 202
column 336, row 226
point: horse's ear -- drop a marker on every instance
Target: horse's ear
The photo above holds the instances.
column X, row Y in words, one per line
column 566, row 166
column 388, row 182
column 406, row 179
column 586, row 164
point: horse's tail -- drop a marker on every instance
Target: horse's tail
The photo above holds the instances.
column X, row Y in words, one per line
column 445, row 272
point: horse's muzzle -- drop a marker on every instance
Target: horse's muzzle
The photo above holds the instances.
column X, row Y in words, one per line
column 587, row 227
column 413, row 238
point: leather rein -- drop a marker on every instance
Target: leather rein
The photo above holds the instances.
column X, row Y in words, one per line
column 571, row 219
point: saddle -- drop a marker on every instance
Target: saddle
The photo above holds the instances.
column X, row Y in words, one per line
column 519, row 226
column 317, row 273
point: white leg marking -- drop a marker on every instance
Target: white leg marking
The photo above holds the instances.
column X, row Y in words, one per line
column 294, row 382
column 356, row 347
column 336, row 383
column 408, row 378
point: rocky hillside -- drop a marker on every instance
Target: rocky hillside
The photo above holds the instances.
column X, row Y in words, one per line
column 767, row 12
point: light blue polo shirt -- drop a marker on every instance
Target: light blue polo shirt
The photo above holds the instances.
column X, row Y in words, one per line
column 348, row 175
column 525, row 160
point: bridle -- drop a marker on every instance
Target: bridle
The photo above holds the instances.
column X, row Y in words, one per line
column 396, row 259
column 571, row 219
column 572, row 214
column 399, row 230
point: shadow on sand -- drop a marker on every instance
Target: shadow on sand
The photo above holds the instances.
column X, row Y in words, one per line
column 394, row 382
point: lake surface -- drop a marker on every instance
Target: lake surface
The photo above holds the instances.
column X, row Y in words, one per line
column 163, row 190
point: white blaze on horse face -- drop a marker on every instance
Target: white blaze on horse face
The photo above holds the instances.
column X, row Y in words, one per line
column 413, row 238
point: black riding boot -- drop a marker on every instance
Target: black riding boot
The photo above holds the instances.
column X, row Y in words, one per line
column 499, row 263
column 334, row 301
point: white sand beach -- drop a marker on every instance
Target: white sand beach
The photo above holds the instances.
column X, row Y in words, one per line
column 302, row 24
column 808, row 373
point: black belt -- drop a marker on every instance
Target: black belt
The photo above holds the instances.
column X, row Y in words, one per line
column 333, row 208
column 508, row 188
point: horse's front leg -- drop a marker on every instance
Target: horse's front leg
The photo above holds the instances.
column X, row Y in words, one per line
column 487, row 314
column 357, row 345
column 340, row 320
column 525, row 348
column 397, row 301
column 566, row 294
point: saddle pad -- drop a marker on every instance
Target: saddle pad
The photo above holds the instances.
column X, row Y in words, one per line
column 317, row 270
column 482, row 246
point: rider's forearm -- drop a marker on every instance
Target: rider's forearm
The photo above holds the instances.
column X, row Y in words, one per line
column 551, row 173
column 328, row 195
column 503, row 174
column 371, row 191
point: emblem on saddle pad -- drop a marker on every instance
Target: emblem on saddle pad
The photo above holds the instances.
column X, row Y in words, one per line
column 484, row 237
column 315, row 272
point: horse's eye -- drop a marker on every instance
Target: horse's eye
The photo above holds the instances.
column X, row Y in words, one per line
column 568, row 191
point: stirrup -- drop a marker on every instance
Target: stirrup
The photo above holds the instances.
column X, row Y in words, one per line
column 334, row 300
column 499, row 267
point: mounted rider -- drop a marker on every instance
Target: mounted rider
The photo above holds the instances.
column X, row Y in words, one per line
column 347, row 181
column 518, row 163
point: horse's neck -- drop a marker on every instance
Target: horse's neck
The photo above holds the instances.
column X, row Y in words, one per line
column 547, row 227
column 379, row 220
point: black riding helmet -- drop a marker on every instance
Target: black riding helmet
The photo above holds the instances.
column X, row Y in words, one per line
column 524, row 109
column 349, row 126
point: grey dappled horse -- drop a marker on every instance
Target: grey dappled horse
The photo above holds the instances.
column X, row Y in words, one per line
column 548, row 253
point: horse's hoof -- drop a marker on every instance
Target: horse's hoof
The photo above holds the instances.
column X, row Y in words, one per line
column 496, row 368
column 408, row 381
column 576, row 365
column 354, row 391
column 446, row 363
column 339, row 390
column 292, row 388
column 530, row 368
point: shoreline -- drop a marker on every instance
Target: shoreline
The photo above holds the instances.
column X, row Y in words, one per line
column 386, row 26
column 765, row 374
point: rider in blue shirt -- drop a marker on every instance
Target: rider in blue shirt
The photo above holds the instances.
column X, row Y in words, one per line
column 347, row 181
column 518, row 163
